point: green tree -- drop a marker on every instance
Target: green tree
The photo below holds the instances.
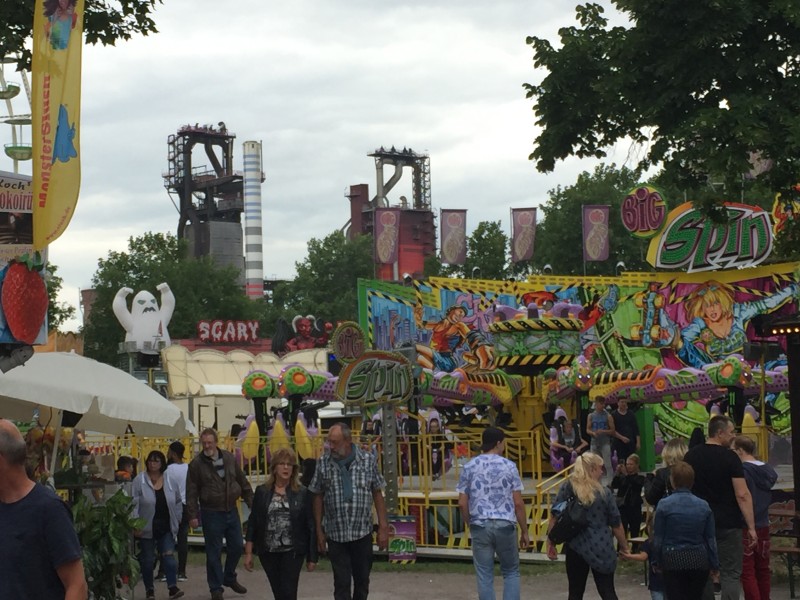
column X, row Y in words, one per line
column 202, row 290
column 105, row 22
column 559, row 238
column 704, row 87
column 57, row 312
column 487, row 250
column 326, row 282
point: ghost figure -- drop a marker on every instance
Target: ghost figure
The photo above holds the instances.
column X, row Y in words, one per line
column 145, row 323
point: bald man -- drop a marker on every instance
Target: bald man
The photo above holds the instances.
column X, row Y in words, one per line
column 40, row 556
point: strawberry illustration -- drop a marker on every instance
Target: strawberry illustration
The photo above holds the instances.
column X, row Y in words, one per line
column 24, row 297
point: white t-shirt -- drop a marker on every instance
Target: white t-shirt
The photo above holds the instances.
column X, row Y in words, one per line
column 175, row 478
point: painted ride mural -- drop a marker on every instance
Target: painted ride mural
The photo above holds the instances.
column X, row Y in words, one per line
column 682, row 342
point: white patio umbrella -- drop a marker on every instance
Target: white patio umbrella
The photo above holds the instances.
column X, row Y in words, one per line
column 109, row 399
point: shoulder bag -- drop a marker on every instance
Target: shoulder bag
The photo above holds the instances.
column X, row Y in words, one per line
column 571, row 519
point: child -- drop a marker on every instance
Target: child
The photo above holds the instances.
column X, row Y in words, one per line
column 628, row 483
column 655, row 581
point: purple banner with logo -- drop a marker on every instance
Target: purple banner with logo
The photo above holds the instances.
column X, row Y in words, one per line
column 453, row 225
column 387, row 227
column 595, row 232
column 523, row 233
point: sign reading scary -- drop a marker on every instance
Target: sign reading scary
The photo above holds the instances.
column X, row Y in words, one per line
column 220, row 331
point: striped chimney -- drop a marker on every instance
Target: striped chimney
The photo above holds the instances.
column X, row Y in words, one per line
column 253, row 239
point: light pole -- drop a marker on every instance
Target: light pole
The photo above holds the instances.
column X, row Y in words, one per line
column 790, row 328
column 476, row 272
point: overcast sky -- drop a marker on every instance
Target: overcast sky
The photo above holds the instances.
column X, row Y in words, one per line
column 321, row 83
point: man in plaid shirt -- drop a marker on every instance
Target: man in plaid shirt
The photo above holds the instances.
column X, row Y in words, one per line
column 346, row 484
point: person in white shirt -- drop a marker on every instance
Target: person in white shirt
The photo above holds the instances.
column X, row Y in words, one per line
column 175, row 478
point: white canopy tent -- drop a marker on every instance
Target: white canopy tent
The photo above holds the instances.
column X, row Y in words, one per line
column 109, row 399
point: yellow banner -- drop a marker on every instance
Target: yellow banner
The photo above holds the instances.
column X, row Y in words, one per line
column 56, row 106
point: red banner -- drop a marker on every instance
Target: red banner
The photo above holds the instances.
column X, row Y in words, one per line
column 595, row 232
column 386, row 232
column 453, row 225
column 523, row 233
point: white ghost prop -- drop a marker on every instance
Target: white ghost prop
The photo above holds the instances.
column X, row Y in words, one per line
column 145, row 323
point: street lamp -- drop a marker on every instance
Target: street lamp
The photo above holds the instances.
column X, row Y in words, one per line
column 476, row 272
column 620, row 268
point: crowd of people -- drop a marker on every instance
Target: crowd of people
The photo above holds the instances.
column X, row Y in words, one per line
column 708, row 528
column 707, row 515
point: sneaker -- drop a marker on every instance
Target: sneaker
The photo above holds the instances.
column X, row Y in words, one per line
column 150, row 595
column 161, row 577
column 182, row 577
column 175, row 592
column 237, row 587
column 216, row 595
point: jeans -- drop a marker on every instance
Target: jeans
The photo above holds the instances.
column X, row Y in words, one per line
column 755, row 566
column 147, row 558
column 496, row 536
column 730, row 549
column 283, row 572
column 602, row 447
column 351, row 560
column 216, row 525
column 577, row 573
column 656, row 595
column 183, row 542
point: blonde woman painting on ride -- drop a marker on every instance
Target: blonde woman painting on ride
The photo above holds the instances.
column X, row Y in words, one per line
column 717, row 322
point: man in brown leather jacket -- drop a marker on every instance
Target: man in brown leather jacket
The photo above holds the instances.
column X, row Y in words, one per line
column 217, row 482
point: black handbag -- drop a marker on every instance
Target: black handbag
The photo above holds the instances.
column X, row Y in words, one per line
column 571, row 518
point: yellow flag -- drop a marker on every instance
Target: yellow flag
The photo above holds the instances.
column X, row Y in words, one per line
column 56, row 106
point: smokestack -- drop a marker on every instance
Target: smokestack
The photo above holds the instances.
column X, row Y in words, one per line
column 253, row 240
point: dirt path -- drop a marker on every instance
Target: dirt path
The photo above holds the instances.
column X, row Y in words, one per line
column 415, row 586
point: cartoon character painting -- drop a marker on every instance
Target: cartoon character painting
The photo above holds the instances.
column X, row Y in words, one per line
column 64, row 144
column 145, row 323
column 61, row 20
column 448, row 335
column 717, row 323
column 304, row 334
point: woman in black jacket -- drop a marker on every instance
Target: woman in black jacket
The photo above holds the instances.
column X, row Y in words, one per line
column 281, row 527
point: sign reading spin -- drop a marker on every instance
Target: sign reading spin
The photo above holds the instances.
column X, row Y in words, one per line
column 376, row 377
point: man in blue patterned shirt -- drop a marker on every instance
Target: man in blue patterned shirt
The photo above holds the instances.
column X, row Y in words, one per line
column 490, row 499
column 346, row 484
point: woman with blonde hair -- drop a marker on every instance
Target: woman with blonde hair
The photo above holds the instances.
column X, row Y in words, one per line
column 593, row 548
column 281, row 527
column 658, row 485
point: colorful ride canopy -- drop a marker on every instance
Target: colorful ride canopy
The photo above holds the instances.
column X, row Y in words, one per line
column 665, row 328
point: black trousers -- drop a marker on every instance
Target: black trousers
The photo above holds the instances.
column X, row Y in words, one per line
column 577, row 574
column 182, row 546
column 631, row 517
column 283, row 572
column 351, row 561
column 685, row 585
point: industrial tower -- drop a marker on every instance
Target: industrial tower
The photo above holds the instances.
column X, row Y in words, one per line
column 210, row 199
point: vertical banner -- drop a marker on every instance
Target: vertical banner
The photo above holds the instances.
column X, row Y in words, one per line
column 56, row 104
column 386, row 231
column 595, row 232
column 454, row 236
column 523, row 233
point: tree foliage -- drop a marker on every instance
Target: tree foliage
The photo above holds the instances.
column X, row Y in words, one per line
column 559, row 240
column 105, row 22
column 705, row 87
column 57, row 312
column 326, row 282
column 202, row 290
column 487, row 254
